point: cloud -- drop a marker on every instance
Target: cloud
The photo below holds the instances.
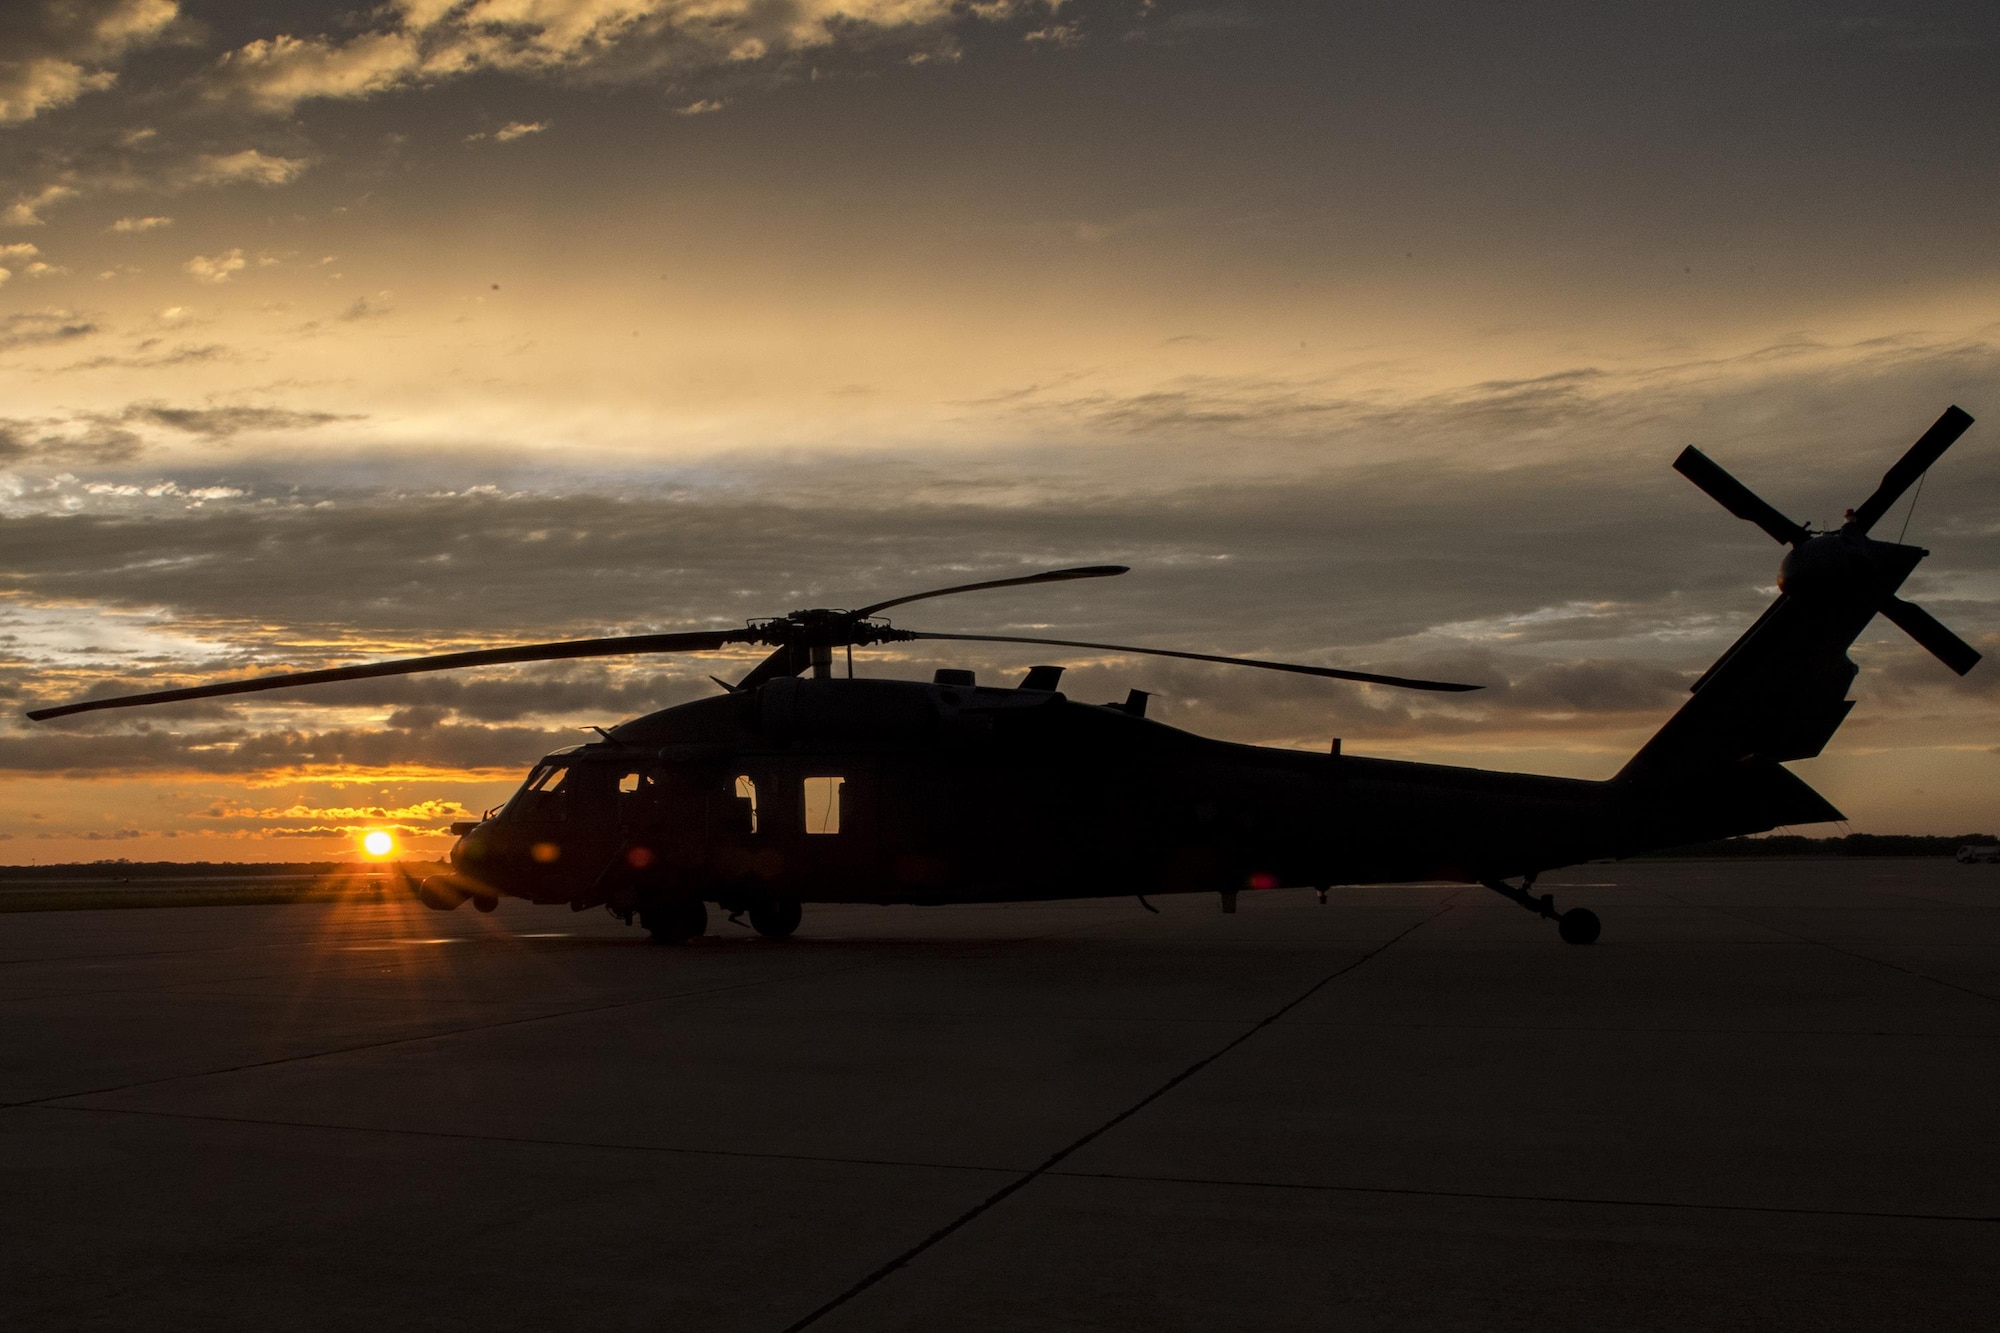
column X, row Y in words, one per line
column 1560, row 562
column 246, row 167
column 26, row 210
column 454, row 750
column 276, row 74
column 37, row 329
column 222, row 422
column 101, row 171
column 81, row 439
column 1056, row 34
column 366, row 307
column 425, row 42
column 216, row 268
column 54, row 51
column 186, row 354
column 102, row 438
column 431, row 809
column 512, row 130
column 701, row 108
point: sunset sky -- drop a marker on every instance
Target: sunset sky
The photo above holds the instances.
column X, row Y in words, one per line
column 1366, row 333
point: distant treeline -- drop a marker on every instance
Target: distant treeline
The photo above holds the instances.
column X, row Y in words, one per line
column 1854, row 844
column 117, row 870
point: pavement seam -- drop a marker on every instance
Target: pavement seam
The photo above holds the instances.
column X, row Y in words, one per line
column 1013, row 1187
column 1501, row 1197
column 518, row 1140
column 1835, row 948
column 476, row 1027
column 426, row 1036
column 1127, row 1177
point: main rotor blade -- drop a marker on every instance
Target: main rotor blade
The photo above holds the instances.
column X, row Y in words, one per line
column 693, row 641
column 780, row 662
column 1737, row 498
column 1927, row 630
column 1052, row 576
column 1334, row 673
column 1944, row 432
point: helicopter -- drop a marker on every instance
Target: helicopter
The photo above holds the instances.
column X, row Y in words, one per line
column 798, row 786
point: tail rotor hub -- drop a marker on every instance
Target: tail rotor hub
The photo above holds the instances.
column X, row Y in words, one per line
column 1847, row 565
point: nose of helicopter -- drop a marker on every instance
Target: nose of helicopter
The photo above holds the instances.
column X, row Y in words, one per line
column 445, row 892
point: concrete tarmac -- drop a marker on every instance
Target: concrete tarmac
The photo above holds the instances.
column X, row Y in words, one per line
column 1768, row 1099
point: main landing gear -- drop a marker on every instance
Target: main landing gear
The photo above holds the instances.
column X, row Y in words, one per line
column 777, row 918
column 1579, row 925
column 675, row 920
column 678, row 920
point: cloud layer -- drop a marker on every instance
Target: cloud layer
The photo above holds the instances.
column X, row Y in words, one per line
column 343, row 332
column 54, row 51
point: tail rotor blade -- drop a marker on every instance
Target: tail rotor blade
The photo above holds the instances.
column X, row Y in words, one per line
column 1944, row 432
column 1737, row 498
column 1927, row 630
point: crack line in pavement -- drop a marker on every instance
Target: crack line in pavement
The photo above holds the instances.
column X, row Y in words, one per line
column 1849, row 953
column 523, row 1140
column 427, row 1036
column 1580, row 1200
column 482, row 1027
column 1128, row 1177
column 1006, row 1191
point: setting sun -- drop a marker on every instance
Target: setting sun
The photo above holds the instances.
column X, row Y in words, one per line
column 378, row 843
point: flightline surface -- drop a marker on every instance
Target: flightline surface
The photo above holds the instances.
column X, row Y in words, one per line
column 1765, row 1100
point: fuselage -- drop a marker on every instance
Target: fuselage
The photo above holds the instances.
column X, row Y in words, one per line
column 882, row 791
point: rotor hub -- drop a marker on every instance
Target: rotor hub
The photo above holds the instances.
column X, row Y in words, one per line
column 1845, row 563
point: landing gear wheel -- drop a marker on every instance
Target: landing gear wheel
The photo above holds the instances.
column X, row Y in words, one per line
column 776, row 919
column 486, row 904
column 675, row 922
column 1579, row 925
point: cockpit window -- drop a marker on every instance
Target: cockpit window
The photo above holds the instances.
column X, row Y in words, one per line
column 540, row 796
column 588, row 792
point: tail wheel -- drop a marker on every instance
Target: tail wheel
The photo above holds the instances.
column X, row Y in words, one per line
column 485, row 904
column 1579, row 925
column 776, row 919
column 676, row 921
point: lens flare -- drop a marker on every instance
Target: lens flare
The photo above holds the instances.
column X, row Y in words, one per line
column 378, row 843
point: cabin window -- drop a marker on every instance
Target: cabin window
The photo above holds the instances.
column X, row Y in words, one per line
column 823, row 797
column 746, row 792
column 639, row 797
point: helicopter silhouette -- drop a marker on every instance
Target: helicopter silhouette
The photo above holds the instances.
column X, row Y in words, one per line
column 797, row 786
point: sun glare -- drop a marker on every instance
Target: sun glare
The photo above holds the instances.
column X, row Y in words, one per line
column 378, row 843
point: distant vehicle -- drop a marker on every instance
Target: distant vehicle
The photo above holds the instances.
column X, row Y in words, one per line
column 793, row 788
column 1973, row 854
